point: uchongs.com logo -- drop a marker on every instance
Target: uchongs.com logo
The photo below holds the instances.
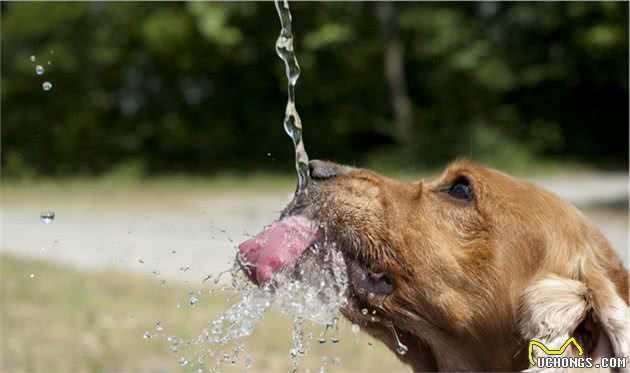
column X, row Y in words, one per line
column 552, row 358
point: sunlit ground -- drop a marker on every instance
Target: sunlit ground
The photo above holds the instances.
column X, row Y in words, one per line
column 65, row 320
column 79, row 293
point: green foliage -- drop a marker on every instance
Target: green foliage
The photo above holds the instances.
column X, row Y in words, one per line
column 197, row 88
column 327, row 35
column 212, row 22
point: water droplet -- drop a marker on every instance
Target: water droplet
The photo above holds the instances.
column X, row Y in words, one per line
column 178, row 305
column 47, row 216
column 364, row 311
column 146, row 334
column 355, row 328
column 162, row 282
column 47, row 86
column 184, row 268
column 33, row 59
column 248, row 361
column 39, row 70
column 173, row 252
column 32, row 275
column 182, row 361
column 337, row 361
column 335, row 333
column 158, row 327
column 268, row 154
column 322, row 336
column 140, row 261
column 193, row 300
column 48, row 63
column 401, row 349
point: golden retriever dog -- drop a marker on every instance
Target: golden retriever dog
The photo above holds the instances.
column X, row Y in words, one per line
column 466, row 268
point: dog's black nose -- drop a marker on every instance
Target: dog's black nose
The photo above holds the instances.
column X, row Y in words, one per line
column 321, row 170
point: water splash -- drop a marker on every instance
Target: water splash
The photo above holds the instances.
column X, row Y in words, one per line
column 311, row 290
column 292, row 121
column 298, row 342
column 296, row 291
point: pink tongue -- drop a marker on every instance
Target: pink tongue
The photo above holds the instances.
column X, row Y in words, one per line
column 277, row 246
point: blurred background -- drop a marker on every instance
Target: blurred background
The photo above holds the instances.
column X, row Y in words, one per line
column 159, row 146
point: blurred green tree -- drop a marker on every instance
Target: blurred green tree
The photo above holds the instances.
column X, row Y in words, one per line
column 196, row 87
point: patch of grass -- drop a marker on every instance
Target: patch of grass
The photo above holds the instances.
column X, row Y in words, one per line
column 128, row 182
column 178, row 190
column 65, row 320
column 184, row 190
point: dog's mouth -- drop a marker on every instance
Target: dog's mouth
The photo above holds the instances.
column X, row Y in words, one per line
column 281, row 245
column 277, row 246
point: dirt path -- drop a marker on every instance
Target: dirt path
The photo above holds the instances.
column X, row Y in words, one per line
column 185, row 242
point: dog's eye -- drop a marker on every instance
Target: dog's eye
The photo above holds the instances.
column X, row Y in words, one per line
column 461, row 189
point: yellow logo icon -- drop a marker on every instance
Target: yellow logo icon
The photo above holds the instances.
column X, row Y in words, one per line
column 547, row 351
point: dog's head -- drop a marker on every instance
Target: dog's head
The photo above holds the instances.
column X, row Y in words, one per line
column 445, row 263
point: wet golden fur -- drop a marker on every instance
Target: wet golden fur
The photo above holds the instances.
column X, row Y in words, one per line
column 474, row 281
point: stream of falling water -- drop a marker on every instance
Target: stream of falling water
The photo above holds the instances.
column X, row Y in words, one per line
column 292, row 121
column 314, row 289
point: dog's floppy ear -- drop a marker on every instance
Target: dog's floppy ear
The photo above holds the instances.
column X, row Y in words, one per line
column 554, row 309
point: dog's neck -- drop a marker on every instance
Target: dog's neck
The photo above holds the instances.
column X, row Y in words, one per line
column 437, row 350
